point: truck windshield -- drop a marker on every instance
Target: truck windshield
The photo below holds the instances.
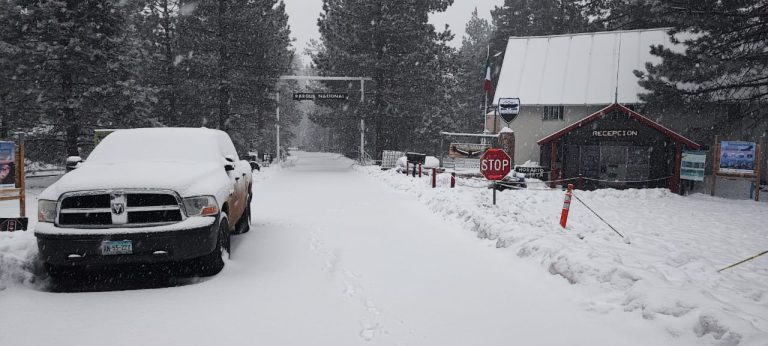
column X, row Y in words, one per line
column 158, row 145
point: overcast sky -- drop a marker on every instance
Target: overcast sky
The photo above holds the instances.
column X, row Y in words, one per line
column 304, row 13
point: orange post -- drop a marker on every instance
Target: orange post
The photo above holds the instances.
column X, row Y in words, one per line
column 434, row 178
column 453, row 180
column 566, row 205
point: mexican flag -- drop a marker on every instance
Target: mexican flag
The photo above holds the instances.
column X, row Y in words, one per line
column 487, row 86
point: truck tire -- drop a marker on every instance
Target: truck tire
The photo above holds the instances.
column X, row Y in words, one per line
column 244, row 224
column 212, row 263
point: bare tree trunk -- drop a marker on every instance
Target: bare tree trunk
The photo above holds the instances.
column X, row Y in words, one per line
column 5, row 116
column 69, row 115
column 224, row 96
column 378, row 104
column 170, row 68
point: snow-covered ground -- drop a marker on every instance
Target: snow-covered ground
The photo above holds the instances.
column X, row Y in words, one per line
column 664, row 272
column 351, row 257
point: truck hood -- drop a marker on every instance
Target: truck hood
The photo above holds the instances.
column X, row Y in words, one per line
column 187, row 179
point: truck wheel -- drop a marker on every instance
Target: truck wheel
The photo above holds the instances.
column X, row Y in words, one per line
column 244, row 224
column 212, row 263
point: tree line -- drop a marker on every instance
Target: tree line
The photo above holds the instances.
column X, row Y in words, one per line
column 70, row 66
column 423, row 86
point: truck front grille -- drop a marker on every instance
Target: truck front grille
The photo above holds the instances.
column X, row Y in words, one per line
column 119, row 209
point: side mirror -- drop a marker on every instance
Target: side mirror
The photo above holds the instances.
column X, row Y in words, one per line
column 255, row 166
column 73, row 162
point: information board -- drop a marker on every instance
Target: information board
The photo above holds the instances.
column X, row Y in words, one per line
column 692, row 165
column 737, row 157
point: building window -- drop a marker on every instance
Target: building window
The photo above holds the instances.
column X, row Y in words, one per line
column 552, row 113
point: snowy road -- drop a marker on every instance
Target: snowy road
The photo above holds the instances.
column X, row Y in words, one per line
column 336, row 258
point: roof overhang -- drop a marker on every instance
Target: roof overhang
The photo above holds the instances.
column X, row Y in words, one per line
column 632, row 114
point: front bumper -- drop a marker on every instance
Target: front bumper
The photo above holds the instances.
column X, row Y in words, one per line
column 79, row 247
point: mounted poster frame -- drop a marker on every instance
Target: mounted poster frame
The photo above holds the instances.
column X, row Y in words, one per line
column 13, row 184
column 737, row 160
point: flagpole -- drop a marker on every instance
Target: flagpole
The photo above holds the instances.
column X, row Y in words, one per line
column 485, row 112
column 485, row 109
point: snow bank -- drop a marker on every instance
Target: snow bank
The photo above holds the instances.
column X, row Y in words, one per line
column 18, row 250
column 18, row 259
column 665, row 272
column 429, row 163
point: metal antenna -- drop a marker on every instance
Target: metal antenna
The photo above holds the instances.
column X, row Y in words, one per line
column 618, row 66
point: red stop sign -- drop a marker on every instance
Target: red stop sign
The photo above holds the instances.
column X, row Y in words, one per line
column 495, row 164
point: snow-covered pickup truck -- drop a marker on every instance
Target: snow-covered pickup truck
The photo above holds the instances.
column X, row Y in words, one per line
column 147, row 196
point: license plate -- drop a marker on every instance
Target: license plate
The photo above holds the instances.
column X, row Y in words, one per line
column 122, row 247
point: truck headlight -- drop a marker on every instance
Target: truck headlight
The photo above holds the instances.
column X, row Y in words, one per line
column 46, row 211
column 201, row 206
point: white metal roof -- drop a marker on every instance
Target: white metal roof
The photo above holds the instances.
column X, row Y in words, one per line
column 577, row 69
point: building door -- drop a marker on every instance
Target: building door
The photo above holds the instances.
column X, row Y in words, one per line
column 625, row 162
column 639, row 163
column 613, row 162
column 590, row 161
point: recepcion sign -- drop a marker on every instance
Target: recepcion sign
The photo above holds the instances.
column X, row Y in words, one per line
column 737, row 157
column 692, row 165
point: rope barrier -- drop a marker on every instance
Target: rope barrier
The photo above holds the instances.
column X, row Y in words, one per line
column 746, row 260
column 524, row 188
column 598, row 216
column 473, row 187
column 602, row 180
column 627, row 181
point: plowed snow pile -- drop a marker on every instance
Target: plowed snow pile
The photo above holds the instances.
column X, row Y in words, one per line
column 666, row 269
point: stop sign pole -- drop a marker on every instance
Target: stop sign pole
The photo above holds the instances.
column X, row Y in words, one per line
column 495, row 164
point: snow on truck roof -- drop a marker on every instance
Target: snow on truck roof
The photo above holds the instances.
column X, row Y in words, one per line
column 161, row 144
column 578, row 69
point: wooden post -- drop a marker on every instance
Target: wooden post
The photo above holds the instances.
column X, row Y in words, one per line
column 758, row 169
column 507, row 143
column 21, row 179
column 675, row 188
column 553, row 163
column 715, row 165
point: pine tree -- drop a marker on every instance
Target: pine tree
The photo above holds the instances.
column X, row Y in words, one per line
column 157, row 35
column 723, row 70
column 231, row 53
column 12, row 101
column 624, row 15
column 78, row 61
column 392, row 42
column 470, row 75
